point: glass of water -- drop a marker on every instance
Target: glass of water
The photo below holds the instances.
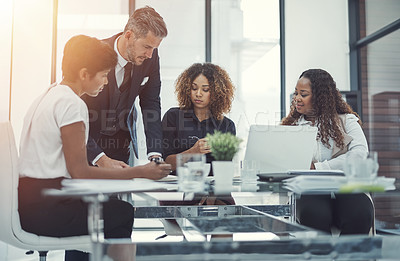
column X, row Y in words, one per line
column 249, row 171
column 191, row 172
column 362, row 168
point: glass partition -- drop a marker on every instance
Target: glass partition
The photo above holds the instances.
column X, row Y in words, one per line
column 380, row 13
column 245, row 41
column 381, row 101
column 381, row 111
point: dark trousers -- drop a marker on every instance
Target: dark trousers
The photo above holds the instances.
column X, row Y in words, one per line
column 64, row 217
column 350, row 213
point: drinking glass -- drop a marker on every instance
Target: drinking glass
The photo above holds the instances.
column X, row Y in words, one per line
column 249, row 171
column 191, row 172
column 360, row 168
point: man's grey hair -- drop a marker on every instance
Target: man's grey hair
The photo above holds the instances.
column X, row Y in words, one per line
column 144, row 20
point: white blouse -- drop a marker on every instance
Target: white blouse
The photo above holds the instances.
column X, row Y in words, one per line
column 41, row 148
column 323, row 155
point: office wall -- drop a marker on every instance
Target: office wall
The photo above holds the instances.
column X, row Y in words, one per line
column 31, row 66
column 5, row 54
column 316, row 37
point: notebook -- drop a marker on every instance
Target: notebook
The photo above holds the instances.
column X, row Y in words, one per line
column 280, row 149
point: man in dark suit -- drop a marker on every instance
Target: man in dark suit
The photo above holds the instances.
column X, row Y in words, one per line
column 112, row 114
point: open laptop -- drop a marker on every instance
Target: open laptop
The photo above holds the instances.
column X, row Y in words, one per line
column 280, row 149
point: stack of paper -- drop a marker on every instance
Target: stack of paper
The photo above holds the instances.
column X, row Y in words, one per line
column 316, row 172
column 327, row 184
column 114, row 186
column 314, row 184
column 169, row 178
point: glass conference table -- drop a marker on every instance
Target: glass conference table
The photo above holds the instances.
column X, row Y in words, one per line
column 259, row 227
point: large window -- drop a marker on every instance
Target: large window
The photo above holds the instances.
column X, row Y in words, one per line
column 185, row 43
column 100, row 19
column 379, row 13
column 245, row 41
column 249, row 52
column 378, row 67
column 379, row 85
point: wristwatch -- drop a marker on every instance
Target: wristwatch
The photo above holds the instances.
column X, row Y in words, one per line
column 157, row 160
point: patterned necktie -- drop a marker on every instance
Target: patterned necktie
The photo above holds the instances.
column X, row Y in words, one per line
column 127, row 77
column 132, row 117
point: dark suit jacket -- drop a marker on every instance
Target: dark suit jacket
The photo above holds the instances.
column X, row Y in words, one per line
column 149, row 95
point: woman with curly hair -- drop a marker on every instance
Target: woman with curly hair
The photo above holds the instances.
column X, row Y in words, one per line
column 205, row 93
column 317, row 102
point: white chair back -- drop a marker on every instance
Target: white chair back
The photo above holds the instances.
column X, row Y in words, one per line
column 9, row 218
column 10, row 226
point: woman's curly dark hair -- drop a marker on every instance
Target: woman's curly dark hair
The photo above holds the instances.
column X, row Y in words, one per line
column 221, row 88
column 327, row 104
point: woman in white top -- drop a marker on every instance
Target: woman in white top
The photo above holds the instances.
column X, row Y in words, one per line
column 318, row 102
column 53, row 147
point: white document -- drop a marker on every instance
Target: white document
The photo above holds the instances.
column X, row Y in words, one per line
column 114, row 186
column 326, row 184
column 169, row 178
column 325, row 172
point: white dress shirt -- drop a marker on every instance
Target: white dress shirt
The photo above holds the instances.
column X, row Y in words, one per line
column 323, row 155
column 119, row 68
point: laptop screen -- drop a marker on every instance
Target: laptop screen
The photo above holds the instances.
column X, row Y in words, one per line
column 279, row 149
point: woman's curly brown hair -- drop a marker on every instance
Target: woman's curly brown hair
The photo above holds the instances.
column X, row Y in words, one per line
column 327, row 104
column 221, row 88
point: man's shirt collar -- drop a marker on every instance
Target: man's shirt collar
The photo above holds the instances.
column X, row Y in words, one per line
column 121, row 60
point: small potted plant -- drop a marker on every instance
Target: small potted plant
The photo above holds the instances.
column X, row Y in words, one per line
column 223, row 148
column 223, row 145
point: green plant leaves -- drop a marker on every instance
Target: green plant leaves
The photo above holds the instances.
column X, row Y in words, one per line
column 223, row 145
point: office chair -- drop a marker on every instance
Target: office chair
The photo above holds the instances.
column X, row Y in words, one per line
column 10, row 227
